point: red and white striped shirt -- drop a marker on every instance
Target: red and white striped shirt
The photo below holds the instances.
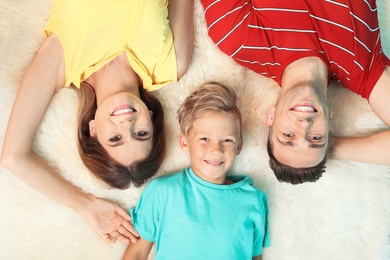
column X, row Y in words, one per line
column 267, row 35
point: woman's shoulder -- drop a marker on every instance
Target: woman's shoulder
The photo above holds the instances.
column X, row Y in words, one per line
column 51, row 55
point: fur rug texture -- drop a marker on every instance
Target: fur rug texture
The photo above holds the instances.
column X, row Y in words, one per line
column 344, row 215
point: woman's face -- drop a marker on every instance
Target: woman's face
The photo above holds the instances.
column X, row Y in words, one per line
column 123, row 127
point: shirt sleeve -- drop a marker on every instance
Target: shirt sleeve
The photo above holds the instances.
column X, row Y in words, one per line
column 261, row 235
column 145, row 215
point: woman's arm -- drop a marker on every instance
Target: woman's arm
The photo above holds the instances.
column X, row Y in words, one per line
column 43, row 78
column 369, row 149
column 138, row 251
column 180, row 14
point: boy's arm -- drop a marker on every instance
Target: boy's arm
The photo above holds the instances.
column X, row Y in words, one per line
column 180, row 14
column 369, row 149
column 139, row 250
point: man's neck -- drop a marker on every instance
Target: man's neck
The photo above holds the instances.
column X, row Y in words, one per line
column 306, row 71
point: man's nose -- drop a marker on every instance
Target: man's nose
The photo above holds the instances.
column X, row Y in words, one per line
column 305, row 120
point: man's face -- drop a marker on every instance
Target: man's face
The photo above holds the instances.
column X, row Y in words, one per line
column 299, row 127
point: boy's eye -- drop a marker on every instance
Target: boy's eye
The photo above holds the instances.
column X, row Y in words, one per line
column 116, row 138
column 228, row 141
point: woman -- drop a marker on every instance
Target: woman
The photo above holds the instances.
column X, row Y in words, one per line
column 112, row 51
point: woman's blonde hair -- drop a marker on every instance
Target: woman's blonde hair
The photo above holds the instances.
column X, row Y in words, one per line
column 96, row 158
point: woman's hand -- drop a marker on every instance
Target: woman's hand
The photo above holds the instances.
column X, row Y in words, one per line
column 109, row 220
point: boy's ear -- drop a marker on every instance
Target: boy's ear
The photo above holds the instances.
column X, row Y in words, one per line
column 239, row 147
column 269, row 120
column 92, row 130
column 183, row 142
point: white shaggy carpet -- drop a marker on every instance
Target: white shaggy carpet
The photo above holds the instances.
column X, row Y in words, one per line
column 345, row 215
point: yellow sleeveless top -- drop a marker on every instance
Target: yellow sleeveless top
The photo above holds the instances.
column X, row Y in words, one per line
column 94, row 32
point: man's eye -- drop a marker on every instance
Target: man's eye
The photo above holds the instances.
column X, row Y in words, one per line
column 315, row 138
column 116, row 138
column 288, row 136
column 203, row 139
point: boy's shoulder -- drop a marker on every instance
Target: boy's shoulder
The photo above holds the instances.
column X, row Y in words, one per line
column 247, row 184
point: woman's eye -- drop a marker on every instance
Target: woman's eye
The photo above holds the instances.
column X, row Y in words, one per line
column 288, row 136
column 141, row 133
column 116, row 138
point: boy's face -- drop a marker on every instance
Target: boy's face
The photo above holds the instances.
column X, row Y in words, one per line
column 213, row 143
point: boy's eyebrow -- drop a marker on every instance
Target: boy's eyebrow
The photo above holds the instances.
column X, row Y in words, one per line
column 292, row 144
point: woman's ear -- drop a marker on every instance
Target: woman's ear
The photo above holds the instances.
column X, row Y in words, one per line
column 92, row 130
column 183, row 142
column 269, row 120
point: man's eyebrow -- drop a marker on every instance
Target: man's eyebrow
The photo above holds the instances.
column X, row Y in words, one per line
column 287, row 143
column 292, row 144
column 317, row 146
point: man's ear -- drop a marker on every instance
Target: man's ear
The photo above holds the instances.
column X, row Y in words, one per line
column 92, row 130
column 269, row 120
column 183, row 142
column 331, row 126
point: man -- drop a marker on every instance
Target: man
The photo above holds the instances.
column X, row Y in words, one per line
column 302, row 45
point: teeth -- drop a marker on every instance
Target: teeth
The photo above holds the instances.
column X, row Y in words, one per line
column 303, row 109
column 123, row 111
column 214, row 163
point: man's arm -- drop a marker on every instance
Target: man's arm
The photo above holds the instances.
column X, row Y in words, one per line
column 369, row 149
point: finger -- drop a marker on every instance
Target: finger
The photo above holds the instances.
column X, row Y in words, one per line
column 128, row 226
column 108, row 239
column 123, row 231
column 118, row 236
column 123, row 213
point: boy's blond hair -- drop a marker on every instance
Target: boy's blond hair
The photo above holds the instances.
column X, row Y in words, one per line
column 210, row 97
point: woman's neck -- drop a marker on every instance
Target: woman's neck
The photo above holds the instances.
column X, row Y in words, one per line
column 114, row 77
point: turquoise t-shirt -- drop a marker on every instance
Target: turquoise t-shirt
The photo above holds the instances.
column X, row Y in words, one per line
column 189, row 218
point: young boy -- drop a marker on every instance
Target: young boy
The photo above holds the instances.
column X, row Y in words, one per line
column 200, row 213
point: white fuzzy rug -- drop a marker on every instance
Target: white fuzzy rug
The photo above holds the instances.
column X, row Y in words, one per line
column 345, row 215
